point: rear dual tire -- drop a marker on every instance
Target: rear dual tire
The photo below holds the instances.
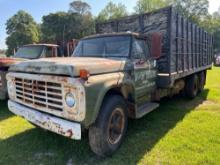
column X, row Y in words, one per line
column 202, row 80
column 195, row 84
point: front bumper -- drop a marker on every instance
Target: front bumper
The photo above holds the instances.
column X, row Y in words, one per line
column 48, row 122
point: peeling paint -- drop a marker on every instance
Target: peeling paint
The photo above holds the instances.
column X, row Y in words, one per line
column 47, row 94
column 70, row 66
column 60, row 126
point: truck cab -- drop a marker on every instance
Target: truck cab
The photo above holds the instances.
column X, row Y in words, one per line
column 112, row 74
column 35, row 51
column 26, row 52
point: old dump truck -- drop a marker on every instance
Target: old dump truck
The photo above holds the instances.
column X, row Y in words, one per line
column 113, row 76
column 26, row 52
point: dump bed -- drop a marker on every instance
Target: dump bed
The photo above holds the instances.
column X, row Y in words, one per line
column 186, row 48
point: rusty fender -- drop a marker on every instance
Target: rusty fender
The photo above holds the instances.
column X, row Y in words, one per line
column 96, row 88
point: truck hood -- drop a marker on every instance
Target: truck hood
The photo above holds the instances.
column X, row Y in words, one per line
column 70, row 66
column 6, row 62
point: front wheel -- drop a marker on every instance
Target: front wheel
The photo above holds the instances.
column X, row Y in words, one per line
column 107, row 134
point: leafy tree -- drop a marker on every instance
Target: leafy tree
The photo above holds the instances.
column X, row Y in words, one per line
column 84, row 10
column 195, row 10
column 216, row 18
column 143, row 6
column 211, row 23
column 216, row 14
column 21, row 29
column 80, row 7
column 112, row 11
column 87, row 25
column 192, row 9
column 217, row 40
column 61, row 27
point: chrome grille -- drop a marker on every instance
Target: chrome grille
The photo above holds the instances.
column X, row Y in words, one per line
column 39, row 94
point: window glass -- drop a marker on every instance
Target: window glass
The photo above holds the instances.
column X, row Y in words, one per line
column 113, row 46
column 60, row 52
column 29, row 52
column 139, row 49
column 49, row 52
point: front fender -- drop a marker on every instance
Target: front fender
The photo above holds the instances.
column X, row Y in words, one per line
column 96, row 88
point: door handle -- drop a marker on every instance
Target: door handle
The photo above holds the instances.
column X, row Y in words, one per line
column 140, row 62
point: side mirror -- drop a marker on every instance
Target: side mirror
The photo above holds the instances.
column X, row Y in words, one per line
column 156, row 45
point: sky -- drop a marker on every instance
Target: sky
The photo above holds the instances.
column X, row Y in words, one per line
column 39, row 8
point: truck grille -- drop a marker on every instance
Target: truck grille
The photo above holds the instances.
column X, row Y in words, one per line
column 39, row 94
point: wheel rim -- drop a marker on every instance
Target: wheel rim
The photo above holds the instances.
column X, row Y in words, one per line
column 116, row 126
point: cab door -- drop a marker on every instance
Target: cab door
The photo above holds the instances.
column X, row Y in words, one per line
column 144, row 71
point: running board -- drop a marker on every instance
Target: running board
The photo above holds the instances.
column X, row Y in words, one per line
column 145, row 109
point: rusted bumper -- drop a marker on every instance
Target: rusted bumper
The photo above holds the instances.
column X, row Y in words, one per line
column 48, row 122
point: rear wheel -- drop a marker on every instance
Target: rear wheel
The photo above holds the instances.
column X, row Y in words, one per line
column 202, row 80
column 106, row 135
column 192, row 86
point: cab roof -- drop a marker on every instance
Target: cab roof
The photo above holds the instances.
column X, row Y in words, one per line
column 42, row 44
column 115, row 34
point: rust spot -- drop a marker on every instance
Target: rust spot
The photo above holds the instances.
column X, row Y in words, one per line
column 69, row 133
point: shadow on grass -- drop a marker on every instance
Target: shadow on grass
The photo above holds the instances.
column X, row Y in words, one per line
column 39, row 147
column 4, row 112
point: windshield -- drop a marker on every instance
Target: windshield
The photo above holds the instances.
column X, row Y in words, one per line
column 113, row 46
column 29, row 52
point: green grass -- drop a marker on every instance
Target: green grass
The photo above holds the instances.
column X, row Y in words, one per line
column 181, row 131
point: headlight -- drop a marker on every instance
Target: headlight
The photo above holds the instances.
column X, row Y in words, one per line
column 70, row 100
column 11, row 88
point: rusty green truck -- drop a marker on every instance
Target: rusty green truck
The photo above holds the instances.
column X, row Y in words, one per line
column 113, row 76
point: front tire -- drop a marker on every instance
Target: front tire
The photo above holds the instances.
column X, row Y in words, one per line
column 106, row 135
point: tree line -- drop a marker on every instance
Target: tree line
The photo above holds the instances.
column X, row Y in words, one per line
column 78, row 21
